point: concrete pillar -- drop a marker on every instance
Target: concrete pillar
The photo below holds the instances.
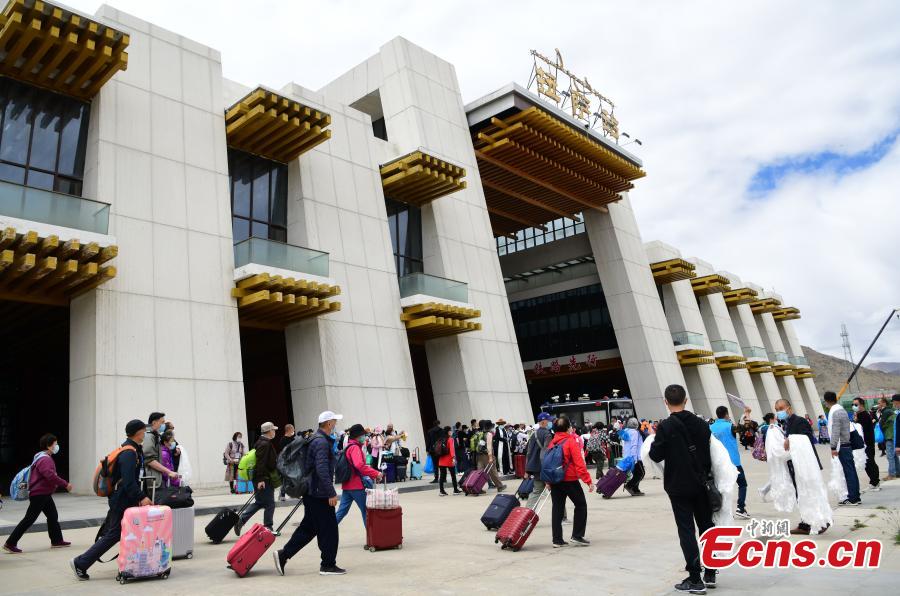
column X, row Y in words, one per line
column 767, row 392
column 643, row 335
column 807, row 386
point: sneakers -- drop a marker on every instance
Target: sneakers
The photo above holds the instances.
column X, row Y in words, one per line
column 238, row 527
column 691, row 586
column 81, row 574
column 501, row 488
column 566, row 521
column 280, row 561
column 11, row 548
column 562, row 544
column 579, row 541
column 60, row 544
column 456, row 491
column 443, row 493
column 873, row 488
column 850, row 503
column 742, row 513
column 605, row 496
column 333, row 570
column 709, row 578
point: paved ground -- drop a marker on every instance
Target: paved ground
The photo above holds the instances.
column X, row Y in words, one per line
column 447, row 551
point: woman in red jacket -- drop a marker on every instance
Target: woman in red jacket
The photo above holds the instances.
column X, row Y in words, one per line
column 447, row 461
column 569, row 488
column 354, row 491
column 42, row 483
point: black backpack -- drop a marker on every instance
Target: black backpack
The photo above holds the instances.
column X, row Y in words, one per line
column 343, row 469
column 291, row 465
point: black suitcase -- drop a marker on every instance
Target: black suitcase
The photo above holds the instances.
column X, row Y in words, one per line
column 400, row 473
column 498, row 511
column 217, row 529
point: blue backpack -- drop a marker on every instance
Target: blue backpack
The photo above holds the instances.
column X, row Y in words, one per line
column 18, row 489
column 553, row 466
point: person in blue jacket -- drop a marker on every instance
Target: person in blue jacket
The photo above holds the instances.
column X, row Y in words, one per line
column 724, row 430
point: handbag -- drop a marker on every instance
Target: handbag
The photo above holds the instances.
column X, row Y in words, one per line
column 429, row 465
column 174, row 497
column 382, row 498
column 759, row 449
column 879, row 434
column 706, row 480
column 856, row 441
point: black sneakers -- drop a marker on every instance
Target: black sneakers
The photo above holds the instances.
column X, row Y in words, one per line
column 562, row 544
column 691, row 586
column 579, row 541
column 333, row 570
column 742, row 513
column 280, row 561
column 81, row 574
column 709, row 578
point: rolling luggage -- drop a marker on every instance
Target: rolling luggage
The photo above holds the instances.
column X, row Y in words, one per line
column 384, row 528
column 525, row 488
column 400, row 473
column 145, row 545
column 519, row 464
column 390, row 473
column 183, row 533
column 475, row 481
column 253, row 545
column 416, row 470
column 521, row 522
column 217, row 529
column 611, row 482
column 498, row 511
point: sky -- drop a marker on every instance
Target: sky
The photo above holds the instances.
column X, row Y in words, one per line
column 770, row 129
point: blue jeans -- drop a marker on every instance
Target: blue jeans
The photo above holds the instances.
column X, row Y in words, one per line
column 891, row 457
column 845, row 456
column 348, row 497
column 265, row 499
column 742, row 488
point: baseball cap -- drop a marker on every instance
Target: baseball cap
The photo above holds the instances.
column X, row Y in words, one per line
column 266, row 427
column 329, row 415
column 544, row 416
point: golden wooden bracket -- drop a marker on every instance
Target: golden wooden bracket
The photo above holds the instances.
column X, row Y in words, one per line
column 274, row 302
column 419, row 178
column 709, row 284
column 435, row 319
column 672, row 270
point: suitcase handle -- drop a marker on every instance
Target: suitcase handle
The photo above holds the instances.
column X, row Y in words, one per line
column 542, row 500
column 294, row 510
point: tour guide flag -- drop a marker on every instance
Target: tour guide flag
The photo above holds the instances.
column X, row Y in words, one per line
column 736, row 401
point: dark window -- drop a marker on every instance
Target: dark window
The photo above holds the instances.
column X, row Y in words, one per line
column 258, row 197
column 405, row 224
column 43, row 137
column 562, row 324
column 530, row 237
column 379, row 129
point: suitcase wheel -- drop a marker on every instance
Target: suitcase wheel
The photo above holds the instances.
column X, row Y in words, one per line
column 496, row 540
column 371, row 549
column 516, row 549
column 165, row 574
column 190, row 555
column 121, row 578
column 399, row 546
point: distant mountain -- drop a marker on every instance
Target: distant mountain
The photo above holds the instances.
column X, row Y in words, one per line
column 831, row 374
column 888, row 367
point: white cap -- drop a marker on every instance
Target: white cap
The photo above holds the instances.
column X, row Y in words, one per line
column 329, row 415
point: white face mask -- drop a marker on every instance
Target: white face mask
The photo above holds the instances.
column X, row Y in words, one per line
column 55, row 448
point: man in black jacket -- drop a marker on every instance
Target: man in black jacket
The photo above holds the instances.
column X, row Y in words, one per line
column 431, row 439
column 868, row 426
column 682, row 442
column 265, row 477
column 128, row 493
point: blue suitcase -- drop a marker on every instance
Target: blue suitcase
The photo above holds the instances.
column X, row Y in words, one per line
column 416, row 470
column 498, row 511
column 390, row 472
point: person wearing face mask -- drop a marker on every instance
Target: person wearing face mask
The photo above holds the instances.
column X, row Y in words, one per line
column 234, row 451
column 42, row 483
column 319, row 517
column 864, row 419
column 265, row 477
column 167, row 455
column 888, row 422
column 155, row 470
column 126, row 480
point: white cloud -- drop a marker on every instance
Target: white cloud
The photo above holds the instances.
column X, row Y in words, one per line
column 714, row 90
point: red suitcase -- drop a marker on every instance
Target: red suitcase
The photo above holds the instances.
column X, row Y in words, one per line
column 476, row 481
column 521, row 522
column 611, row 482
column 384, row 528
column 253, row 545
column 519, row 464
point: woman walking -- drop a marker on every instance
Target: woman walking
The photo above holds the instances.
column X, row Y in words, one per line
column 234, row 451
column 447, row 461
column 42, row 483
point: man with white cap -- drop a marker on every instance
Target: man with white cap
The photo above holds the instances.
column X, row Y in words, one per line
column 265, row 478
column 319, row 518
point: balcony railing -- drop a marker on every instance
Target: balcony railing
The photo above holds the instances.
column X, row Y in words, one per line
column 799, row 361
column 431, row 285
column 54, row 208
column 687, row 338
column 779, row 357
column 724, row 345
column 281, row 255
column 754, row 352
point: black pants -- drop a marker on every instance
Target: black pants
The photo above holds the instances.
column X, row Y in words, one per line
column 599, row 459
column 319, row 522
column 871, row 466
column 637, row 474
column 689, row 511
column 37, row 505
column 571, row 490
column 444, row 470
column 110, row 534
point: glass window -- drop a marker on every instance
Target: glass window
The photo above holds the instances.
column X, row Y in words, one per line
column 556, row 229
column 43, row 137
column 405, row 225
column 258, row 197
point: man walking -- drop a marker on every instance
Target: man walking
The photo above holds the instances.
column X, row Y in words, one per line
column 156, row 471
column 839, row 432
column 431, row 437
column 265, row 477
column 682, row 442
column 868, row 427
column 534, row 455
column 724, row 430
column 887, row 419
column 128, row 493
column 319, row 519
column 289, row 435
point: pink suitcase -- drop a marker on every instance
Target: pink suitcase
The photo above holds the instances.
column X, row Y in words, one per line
column 145, row 546
column 249, row 548
column 475, row 482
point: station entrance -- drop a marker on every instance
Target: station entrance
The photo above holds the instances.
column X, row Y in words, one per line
column 267, row 385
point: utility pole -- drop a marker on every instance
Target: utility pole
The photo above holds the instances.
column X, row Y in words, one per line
column 848, row 351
